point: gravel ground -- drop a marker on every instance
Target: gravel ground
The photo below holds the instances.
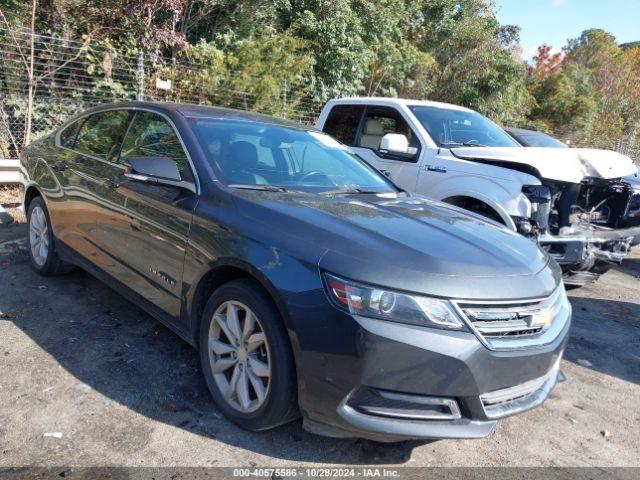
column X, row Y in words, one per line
column 88, row 379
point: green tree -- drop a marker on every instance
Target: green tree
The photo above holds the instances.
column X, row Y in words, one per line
column 474, row 55
column 614, row 74
column 565, row 100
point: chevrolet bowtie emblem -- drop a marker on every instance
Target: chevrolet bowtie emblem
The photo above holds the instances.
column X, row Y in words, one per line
column 543, row 318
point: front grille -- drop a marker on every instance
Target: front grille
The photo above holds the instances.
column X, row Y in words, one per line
column 509, row 325
column 502, row 322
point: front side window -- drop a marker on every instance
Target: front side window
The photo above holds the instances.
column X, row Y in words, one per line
column 342, row 122
column 101, row 134
column 257, row 154
column 150, row 135
column 382, row 120
column 450, row 127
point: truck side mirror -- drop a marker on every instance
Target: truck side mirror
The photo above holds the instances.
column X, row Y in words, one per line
column 398, row 144
column 394, row 143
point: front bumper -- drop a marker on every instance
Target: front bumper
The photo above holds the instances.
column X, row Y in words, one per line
column 583, row 254
column 420, row 362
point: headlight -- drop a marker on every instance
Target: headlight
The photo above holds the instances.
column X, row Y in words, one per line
column 540, row 198
column 369, row 301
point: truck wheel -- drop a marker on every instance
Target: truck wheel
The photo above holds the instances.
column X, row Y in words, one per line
column 246, row 357
column 42, row 244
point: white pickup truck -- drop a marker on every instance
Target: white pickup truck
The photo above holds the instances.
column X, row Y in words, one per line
column 573, row 202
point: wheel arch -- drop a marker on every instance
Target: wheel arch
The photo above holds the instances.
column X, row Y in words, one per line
column 463, row 199
column 218, row 274
column 30, row 192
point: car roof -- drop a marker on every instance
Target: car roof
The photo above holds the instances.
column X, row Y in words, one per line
column 189, row 110
column 390, row 101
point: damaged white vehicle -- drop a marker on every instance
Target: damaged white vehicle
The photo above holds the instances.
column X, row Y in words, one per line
column 574, row 202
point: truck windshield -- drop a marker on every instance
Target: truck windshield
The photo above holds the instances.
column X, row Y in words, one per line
column 451, row 128
column 278, row 158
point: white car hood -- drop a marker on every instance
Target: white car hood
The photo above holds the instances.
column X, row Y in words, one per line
column 561, row 164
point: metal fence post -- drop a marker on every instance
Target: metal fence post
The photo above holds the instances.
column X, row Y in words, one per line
column 140, row 75
column 283, row 113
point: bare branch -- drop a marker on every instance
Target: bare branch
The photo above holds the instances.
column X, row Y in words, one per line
column 15, row 40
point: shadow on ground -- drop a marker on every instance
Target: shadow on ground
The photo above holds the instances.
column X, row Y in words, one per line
column 116, row 349
column 119, row 351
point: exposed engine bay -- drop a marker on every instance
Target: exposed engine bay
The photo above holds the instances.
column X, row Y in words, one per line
column 587, row 227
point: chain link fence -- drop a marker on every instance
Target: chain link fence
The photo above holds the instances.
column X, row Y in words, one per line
column 64, row 77
column 69, row 76
column 627, row 145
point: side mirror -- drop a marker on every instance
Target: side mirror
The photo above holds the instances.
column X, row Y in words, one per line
column 160, row 167
column 157, row 171
column 394, row 143
column 397, row 144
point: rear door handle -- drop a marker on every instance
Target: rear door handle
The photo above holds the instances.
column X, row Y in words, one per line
column 111, row 183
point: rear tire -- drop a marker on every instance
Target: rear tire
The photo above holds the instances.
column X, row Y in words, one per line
column 41, row 242
column 246, row 357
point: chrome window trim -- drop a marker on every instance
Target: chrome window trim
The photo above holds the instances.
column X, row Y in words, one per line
column 122, row 167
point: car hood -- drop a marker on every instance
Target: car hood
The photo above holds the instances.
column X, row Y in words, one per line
column 634, row 180
column 560, row 164
column 411, row 243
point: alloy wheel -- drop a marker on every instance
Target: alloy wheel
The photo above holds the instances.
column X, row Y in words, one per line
column 38, row 236
column 239, row 356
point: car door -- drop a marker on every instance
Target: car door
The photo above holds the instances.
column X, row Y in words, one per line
column 373, row 122
column 146, row 231
column 84, row 150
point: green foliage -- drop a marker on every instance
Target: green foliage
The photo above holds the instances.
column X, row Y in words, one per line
column 630, row 45
column 613, row 74
column 565, row 100
column 283, row 56
column 334, row 33
column 473, row 55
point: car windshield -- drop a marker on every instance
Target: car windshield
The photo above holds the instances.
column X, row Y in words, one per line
column 272, row 157
column 450, row 128
column 541, row 140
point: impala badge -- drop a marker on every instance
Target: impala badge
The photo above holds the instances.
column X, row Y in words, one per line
column 163, row 276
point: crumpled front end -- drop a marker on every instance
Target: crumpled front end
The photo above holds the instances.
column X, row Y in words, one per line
column 586, row 227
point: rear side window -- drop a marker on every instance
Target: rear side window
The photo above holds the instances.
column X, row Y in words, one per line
column 68, row 135
column 150, row 135
column 101, row 134
column 343, row 121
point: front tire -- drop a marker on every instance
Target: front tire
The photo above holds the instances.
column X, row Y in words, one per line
column 42, row 245
column 246, row 357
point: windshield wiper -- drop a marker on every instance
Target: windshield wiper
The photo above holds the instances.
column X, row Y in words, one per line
column 266, row 188
column 352, row 191
column 451, row 144
column 461, row 144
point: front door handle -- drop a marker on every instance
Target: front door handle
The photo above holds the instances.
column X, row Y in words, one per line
column 60, row 166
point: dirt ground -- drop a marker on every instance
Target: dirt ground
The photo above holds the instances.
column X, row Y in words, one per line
column 10, row 208
column 88, row 379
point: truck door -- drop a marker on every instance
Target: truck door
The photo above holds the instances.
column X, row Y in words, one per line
column 363, row 126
